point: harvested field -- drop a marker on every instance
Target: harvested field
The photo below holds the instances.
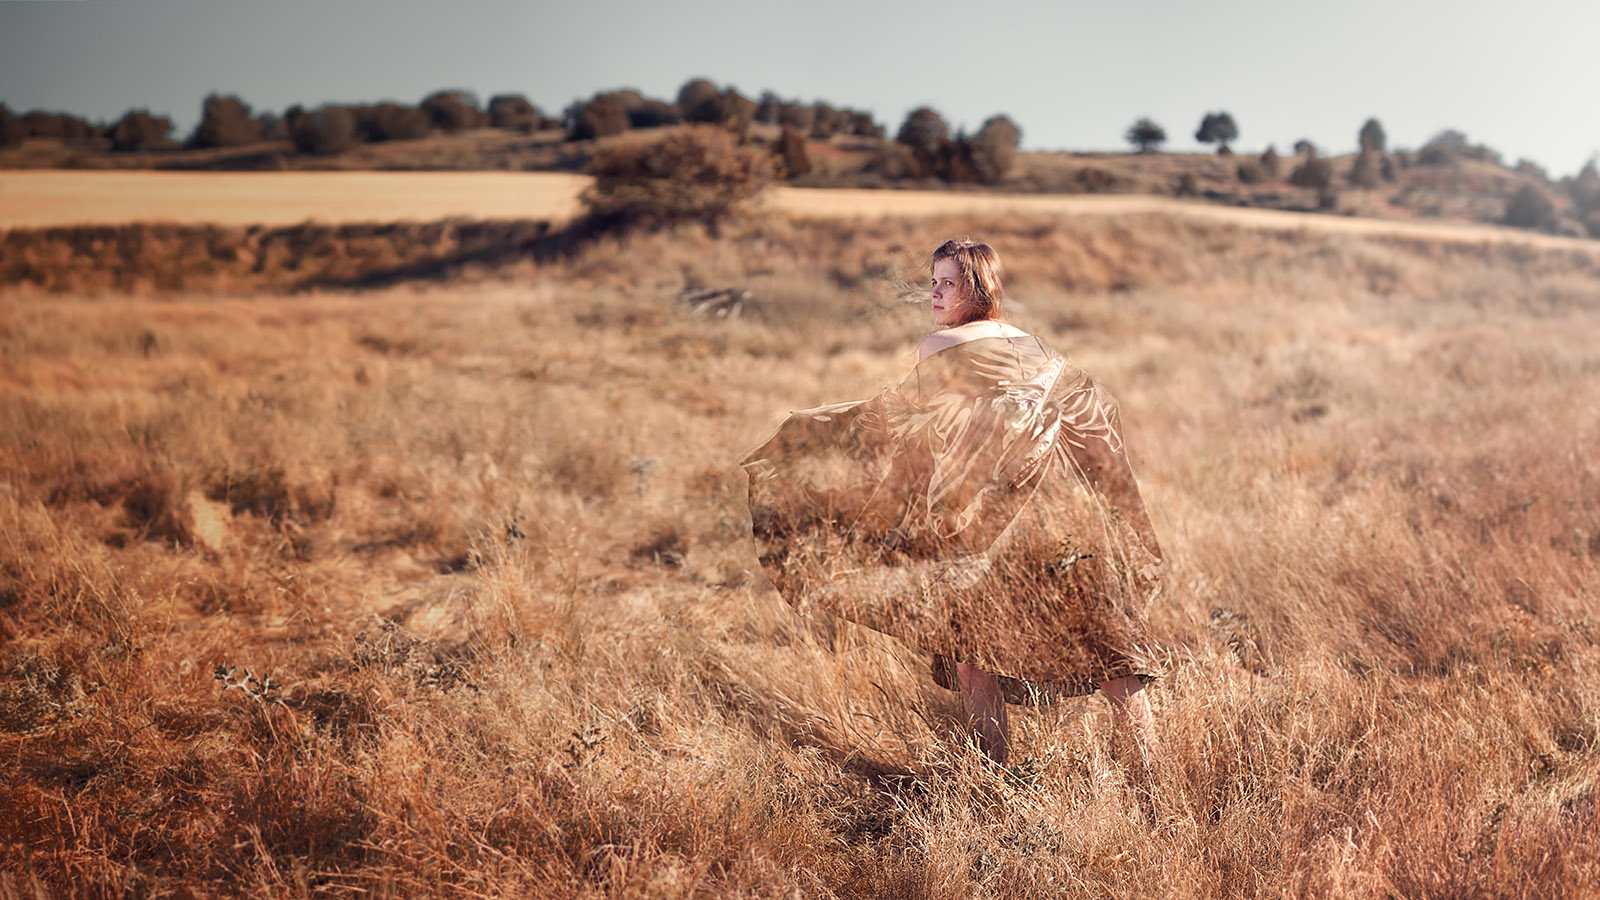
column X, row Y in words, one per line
column 35, row 199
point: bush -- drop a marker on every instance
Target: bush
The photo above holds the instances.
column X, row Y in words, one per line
column 1388, row 169
column 1271, row 165
column 1531, row 207
column 12, row 129
column 272, row 127
column 225, row 122
column 1250, row 171
column 138, row 130
column 1438, row 155
column 1146, row 135
column 1314, row 174
column 327, row 131
column 453, row 110
column 994, row 150
column 1304, row 147
column 513, row 112
column 864, row 125
column 56, row 125
column 700, row 101
column 1186, row 185
column 738, row 111
column 1372, row 137
column 792, row 151
column 1366, row 172
column 391, row 122
column 603, row 116
column 699, row 173
column 826, row 121
column 1217, row 128
column 1585, row 188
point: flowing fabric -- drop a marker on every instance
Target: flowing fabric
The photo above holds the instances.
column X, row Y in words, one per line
column 982, row 510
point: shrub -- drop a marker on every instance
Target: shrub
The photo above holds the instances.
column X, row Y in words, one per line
column 1304, row 147
column 12, row 129
column 513, row 112
column 327, row 131
column 767, row 107
column 994, row 150
column 1251, row 171
column 1186, row 185
column 925, row 133
column 738, row 111
column 453, row 110
column 225, row 122
column 391, row 122
column 1388, row 169
column 603, row 116
column 826, row 121
column 1271, row 165
column 138, row 130
column 1146, row 135
column 700, row 101
column 56, row 125
column 698, row 173
column 864, row 125
column 1217, row 128
column 792, row 151
column 1314, row 174
column 1366, row 172
column 1438, row 155
column 1532, row 170
column 1585, row 188
column 1531, row 207
column 1372, row 137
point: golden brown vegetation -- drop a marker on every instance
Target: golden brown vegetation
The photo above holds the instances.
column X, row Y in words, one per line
column 487, row 542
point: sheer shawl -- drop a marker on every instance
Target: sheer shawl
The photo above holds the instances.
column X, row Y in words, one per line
column 982, row 510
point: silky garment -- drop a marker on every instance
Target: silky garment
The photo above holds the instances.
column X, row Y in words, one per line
column 982, row 510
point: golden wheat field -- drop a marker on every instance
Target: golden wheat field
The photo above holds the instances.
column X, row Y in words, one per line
column 447, row 590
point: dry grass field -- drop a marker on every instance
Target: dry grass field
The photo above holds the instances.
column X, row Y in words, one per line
column 487, row 541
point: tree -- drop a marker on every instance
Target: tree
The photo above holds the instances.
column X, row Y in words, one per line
column 994, row 150
column 1585, row 188
column 12, row 129
column 1372, row 136
column 1271, row 165
column 1146, row 135
column 1304, row 147
column 328, row 131
column 513, row 112
column 1217, row 128
column 1366, row 172
column 700, row 101
column 391, row 122
column 1314, row 174
column 925, row 132
column 602, row 116
column 453, row 110
column 225, row 122
column 138, row 130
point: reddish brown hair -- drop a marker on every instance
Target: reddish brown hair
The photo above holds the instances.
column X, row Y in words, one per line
column 979, row 279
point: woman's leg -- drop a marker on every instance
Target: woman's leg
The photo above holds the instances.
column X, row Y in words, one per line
column 1131, row 716
column 986, row 711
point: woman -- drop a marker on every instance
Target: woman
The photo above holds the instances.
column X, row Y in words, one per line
column 982, row 510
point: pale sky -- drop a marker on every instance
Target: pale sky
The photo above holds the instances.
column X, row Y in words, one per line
column 1522, row 77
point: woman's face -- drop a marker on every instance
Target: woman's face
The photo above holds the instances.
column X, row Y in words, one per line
column 945, row 293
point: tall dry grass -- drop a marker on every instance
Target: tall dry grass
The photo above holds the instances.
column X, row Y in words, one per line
column 487, row 541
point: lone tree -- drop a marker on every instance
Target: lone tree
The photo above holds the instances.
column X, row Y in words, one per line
column 1217, row 128
column 1146, row 135
column 1372, row 136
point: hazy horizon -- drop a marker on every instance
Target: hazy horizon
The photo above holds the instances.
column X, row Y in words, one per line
column 1072, row 75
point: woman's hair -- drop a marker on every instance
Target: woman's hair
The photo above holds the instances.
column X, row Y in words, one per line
column 979, row 279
